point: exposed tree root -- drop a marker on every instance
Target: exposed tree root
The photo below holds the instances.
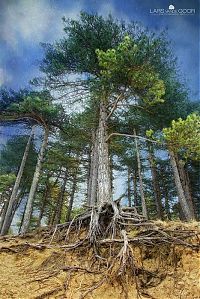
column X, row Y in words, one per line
column 51, row 292
column 109, row 237
column 107, row 225
column 107, row 232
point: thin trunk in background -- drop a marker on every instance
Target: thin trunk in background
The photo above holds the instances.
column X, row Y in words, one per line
column 3, row 212
column 156, row 187
column 180, row 191
column 52, row 207
column 129, row 186
column 7, row 220
column 52, row 217
column 17, row 203
column 167, row 206
column 29, row 206
column 144, row 207
column 135, row 188
column 73, row 191
column 59, row 203
column 44, row 202
column 22, row 218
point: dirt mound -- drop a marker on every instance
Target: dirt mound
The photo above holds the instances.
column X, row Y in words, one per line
column 31, row 269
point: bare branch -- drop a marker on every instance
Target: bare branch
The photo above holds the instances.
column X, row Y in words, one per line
column 132, row 136
column 114, row 106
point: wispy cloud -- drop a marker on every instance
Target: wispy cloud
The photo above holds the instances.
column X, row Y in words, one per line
column 23, row 25
column 109, row 7
column 33, row 21
column 26, row 23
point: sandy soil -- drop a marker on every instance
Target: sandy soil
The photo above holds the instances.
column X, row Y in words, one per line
column 27, row 272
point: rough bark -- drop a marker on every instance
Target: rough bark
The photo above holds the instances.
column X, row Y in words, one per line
column 180, row 191
column 104, row 193
column 93, row 175
column 186, row 185
column 7, row 220
column 144, row 207
column 156, row 187
column 34, row 185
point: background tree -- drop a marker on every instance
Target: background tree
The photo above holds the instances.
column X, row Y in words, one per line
column 45, row 113
column 183, row 138
column 13, row 198
column 10, row 165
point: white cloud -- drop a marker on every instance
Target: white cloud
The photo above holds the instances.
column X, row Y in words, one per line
column 33, row 21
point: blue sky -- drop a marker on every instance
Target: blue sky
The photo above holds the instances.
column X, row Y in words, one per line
column 26, row 23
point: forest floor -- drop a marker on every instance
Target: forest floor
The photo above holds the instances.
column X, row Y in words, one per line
column 29, row 269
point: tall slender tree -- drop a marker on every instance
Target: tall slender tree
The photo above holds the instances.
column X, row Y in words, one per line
column 8, row 216
column 37, row 106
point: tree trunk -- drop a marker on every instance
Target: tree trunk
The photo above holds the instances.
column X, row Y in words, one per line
column 156, row 187
column 71, row 200
column 89, row 177
column 22, row 219
column 60, row 200
column 16, row 204
column 129, row 186
column 93, row 175
column 44, row 202
column 7, row 220
column 29, row 206
column 144, row 207
column 135, row 189
column 3, row 213
column 104, row 193
column 186, row 186
column 52, row 217
column 181, row 195
column 167, row 207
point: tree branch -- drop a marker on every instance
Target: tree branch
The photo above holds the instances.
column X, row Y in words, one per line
column 132, row 136
column 114, row 106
